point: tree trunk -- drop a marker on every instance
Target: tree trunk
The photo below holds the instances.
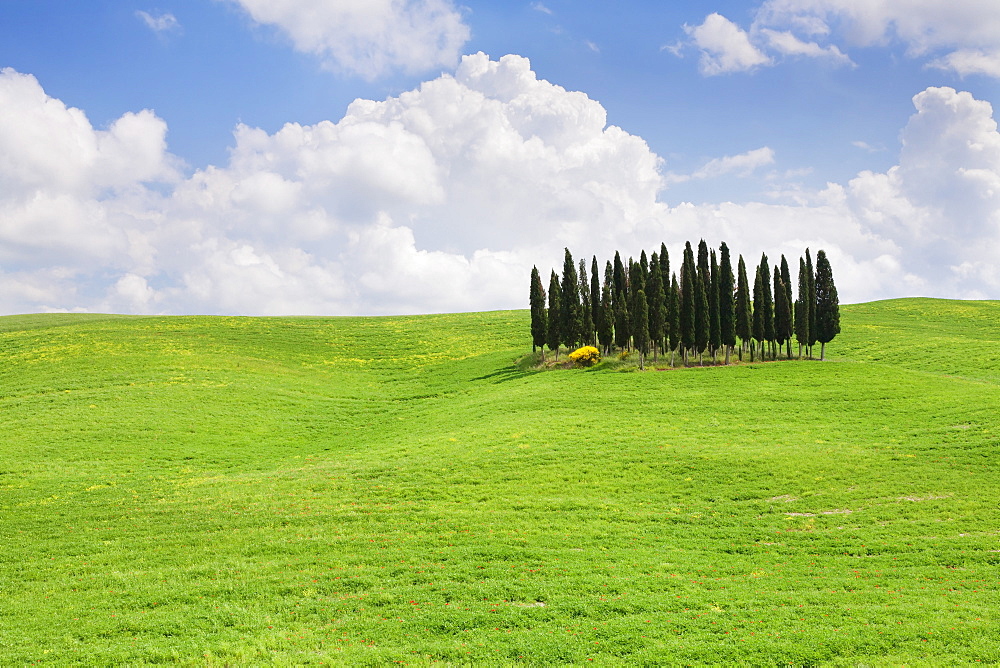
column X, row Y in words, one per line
column 822, row 351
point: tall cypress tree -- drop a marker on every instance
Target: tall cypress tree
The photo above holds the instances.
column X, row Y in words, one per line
column 554, row 335
column 587, row 307
column 657, row 306
column 664, row 265
column 768, row 297
column 714, row 317
column 744, row 312
column 606, row 329
column 618, row 287
column 688, row 302
column 595, row 296
column 827, row 303
column 811, row 302
column 701, row 313
column 802, row 308
column 782, row 311
column 623, row 326
column 538, row 320
column 789, row 331
column 569, row 301
column 727, row 303
column 673, row 317
column 759, row 331
column 641, row 327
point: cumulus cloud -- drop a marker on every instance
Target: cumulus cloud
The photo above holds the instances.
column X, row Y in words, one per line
column 369, row 38
column 442, row 198
column 724, row 46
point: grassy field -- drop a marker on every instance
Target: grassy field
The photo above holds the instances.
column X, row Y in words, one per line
column 231, row 491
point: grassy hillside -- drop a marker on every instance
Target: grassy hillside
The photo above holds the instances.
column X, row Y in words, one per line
column 377, row 490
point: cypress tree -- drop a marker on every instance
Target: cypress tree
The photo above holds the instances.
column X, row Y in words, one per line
column 688, row 307
column 744, row 312
column 623, row 332
column 595, row 295
column 587, row 307
column 727, row 304
column 641, row 326
column 758, row 331
column 714, row 317
column 827, row 303
column 765, row 275
column 618, row 287
column 571, row 327
column 782, row 310
column 701, row 313
column 673, row 317
column 644, row 263
column 802, row 308
column 606, row 327
column 664, row 265
column 657, row 306
column 811, row 302
column 538, row 320
column 786, row 278
column 554, row 336
column 636, row 282
column 703, row 270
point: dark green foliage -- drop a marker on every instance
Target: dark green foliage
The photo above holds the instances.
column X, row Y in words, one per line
column 694, row 310
column 827, row 303
column 789, row 331
column 620, row 285
column 640, row 334
column 811, row 301
column 538, row 319
column 744, row 311
column 759, row 330
column 714, row 331
column 727, row 300
column 569, row 304
column 673, row 317
column 606, row 322
column 665, row 265
column 657, row 305
column 623, row 327
column 587, row 308
column 554, row 335
column 802, row 308
column 768, row 317
column 688, row 301
column 595, row 296
column 782, row 310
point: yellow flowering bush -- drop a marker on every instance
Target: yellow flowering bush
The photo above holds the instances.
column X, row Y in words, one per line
column 585, row 356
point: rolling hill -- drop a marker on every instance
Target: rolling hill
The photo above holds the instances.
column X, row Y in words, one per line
column 216, row 490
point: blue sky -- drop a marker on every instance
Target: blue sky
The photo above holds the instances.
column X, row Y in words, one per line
column 771, row 125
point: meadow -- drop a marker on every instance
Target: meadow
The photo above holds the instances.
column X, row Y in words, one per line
column 411, row 490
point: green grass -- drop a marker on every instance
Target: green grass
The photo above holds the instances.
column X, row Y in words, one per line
column 360, row 491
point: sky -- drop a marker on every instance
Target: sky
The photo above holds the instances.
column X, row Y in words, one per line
column 365, row 157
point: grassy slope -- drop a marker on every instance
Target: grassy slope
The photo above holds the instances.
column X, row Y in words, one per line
column 397, row 489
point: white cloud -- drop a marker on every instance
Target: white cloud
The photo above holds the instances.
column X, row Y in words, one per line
column 786, row 43
column 161, row 23
column 442, row 199
column 725, row 47
column 970, row 61
column 369, row 37
column 742, row 165
column 539, row 7
column 967, row 30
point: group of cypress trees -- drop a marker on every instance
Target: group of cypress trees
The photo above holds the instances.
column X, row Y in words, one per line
column 642, row 306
